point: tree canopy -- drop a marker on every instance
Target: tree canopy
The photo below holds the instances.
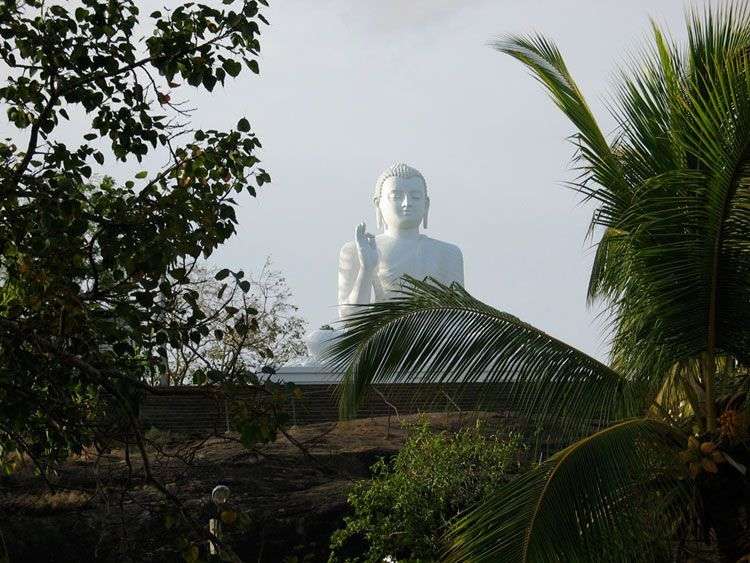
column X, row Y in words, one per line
column 88, row 265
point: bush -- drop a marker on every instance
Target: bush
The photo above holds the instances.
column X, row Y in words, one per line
column 401, row 513
column 159, row 438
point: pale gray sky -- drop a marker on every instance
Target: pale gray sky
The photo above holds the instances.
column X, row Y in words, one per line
column 349, row 87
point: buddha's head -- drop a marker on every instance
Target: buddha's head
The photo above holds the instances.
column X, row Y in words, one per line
column 401, row 200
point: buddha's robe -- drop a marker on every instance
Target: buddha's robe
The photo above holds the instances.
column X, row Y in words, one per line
column 420, row 258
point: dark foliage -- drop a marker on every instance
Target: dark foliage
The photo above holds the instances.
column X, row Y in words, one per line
column 89, row 268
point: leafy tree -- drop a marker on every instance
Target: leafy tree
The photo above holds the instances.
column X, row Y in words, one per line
column 669, row 452
column 89, row 268
column 274, row 334
column 401, row 513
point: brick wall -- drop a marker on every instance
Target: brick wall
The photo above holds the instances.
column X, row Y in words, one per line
column 199, row 409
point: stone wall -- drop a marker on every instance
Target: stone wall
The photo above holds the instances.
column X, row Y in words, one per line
column 199, row 409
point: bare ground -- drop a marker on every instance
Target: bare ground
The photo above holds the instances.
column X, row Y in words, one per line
column 293, row 493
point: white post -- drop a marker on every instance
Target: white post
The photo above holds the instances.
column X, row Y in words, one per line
column 219, row 496
column 214, row 526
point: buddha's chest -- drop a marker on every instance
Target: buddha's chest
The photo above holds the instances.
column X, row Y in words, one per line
column 398, row 258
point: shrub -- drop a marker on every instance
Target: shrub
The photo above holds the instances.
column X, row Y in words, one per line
column 401, row 512
column 159, row 438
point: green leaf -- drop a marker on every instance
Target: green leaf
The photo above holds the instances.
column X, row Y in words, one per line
column 222, row 274
column 169, row 521
column 209, row 81
column 178, row 273
column 199, row 377
column 618, row 495
column 142, row 174
column 233, row 68
column 243, row 125
column 250, row 433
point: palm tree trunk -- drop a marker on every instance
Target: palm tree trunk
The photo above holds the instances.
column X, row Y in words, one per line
column 709, row 374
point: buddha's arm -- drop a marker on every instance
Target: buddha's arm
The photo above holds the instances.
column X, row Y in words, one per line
column 355, row 285
column 460, row 269
column 456, row 266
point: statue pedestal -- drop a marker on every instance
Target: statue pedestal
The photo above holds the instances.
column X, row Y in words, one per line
column 306, row 375
column 310, row 371
column 316, row 341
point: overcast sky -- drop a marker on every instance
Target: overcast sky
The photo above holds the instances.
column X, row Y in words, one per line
column 346, row 88
column 349, row 87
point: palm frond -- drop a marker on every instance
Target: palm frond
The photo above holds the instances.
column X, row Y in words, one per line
column 435, row 333
column 598, row 163
column 613, row 496
column 690, row 227
column 674, row 185
column 611, row 253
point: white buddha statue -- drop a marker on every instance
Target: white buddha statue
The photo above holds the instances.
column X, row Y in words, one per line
column 371, row 267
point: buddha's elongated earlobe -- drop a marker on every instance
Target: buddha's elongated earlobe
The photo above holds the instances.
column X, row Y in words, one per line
column 426, row 212
column 378, row 217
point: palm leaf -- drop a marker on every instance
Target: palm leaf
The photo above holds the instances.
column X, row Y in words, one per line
column 611, row 252
column 435, row 333
column 686, row 289
column 673, row 185
column 613, row 496
column 598, row 162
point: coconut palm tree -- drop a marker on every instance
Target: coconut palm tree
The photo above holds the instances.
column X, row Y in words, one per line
column 659, row 437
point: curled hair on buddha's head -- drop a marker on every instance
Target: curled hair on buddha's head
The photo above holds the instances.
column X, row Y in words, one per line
column 398, row 170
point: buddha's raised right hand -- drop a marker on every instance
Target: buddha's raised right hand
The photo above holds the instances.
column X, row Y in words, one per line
column 366, row 249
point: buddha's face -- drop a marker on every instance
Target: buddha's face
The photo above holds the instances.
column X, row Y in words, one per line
column 403, row 202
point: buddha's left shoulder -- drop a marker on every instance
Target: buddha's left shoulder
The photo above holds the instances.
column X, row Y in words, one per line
column 444, row 248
